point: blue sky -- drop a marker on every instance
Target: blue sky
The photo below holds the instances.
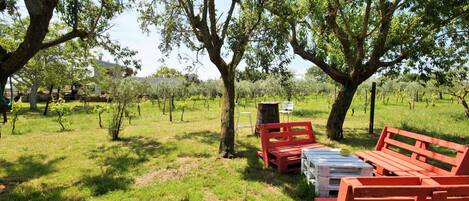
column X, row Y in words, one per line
column 126, row 30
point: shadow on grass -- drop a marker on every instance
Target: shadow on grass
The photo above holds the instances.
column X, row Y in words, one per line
column 206, row 137
column 24, row 169
column 309, row 113
column 117, row 160
column 459, row 138
column 44, row 193
column 360, row 138
column 293, row 184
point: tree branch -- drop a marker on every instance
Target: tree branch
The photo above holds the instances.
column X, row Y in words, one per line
column 340, row 34
column 213, row 24
column 363, row 35
column 333, row 72
column 395, row 61
column 227, row 20
column 64, row 38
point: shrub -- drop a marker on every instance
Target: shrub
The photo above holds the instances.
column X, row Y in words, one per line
column 99, row 109
column 62, row 111
column 124, row 92
column 15, row 110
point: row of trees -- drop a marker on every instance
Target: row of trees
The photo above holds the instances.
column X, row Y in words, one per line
column 350, row 41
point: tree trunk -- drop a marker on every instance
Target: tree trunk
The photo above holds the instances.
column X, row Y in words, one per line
column 33, row 96
column 3, row 83
column 171, row 108
column 339, row 111
column 182, row 114
column 466, row 107
column 49, row 99
column 226, row 149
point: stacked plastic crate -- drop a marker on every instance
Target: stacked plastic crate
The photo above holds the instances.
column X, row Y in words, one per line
column 325, row 167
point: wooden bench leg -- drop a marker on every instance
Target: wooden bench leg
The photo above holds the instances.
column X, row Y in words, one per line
column 281, row 167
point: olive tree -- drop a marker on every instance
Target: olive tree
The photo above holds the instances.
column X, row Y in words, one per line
column 124, row 92
column 201, row 26
column 352, row 40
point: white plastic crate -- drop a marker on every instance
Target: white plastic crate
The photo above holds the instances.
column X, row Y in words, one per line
column 325, row 167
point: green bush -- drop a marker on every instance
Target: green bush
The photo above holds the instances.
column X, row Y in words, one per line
column 62, row 111
column 124, row 93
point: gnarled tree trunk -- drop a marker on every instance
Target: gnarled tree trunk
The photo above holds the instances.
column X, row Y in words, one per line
column 339, row 111
column 226, row 149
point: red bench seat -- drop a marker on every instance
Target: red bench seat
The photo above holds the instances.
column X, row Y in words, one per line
column 282, row 144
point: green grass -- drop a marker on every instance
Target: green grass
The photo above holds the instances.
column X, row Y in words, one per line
column 159, row 160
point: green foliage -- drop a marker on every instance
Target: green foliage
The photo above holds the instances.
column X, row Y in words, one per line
column 124, row 93
column 99, row 109
column 15, row 110
column 167, row 72
column 62, row 110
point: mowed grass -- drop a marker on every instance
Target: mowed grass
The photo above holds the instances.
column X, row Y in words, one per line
column 159, row 160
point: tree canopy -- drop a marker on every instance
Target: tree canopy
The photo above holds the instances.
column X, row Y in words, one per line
column 352, row 40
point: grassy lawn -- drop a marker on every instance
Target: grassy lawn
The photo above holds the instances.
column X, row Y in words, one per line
column 159, row 160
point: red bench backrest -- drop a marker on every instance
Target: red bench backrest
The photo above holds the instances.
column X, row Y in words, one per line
column 425, row 151
column 404, row 188
column 282, row 134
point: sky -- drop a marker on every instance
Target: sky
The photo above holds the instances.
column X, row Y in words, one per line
column 127, row 32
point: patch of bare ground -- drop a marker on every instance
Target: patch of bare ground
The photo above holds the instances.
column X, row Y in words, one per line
column 166, row 174
column 209, row 195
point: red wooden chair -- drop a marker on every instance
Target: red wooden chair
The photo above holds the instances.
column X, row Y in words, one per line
column 282, row 144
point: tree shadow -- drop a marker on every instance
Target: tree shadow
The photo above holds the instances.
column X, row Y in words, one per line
column 24, row 169
column 310, row 113
column 459, row 116
column 44, row 193
column 116, row 161
column 460, row 139
column 206, row 137
column 292, row 184
column 359, row 138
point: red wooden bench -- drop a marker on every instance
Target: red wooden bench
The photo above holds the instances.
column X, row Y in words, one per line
column 455, row 188
column 403, row 153
column 282, row 144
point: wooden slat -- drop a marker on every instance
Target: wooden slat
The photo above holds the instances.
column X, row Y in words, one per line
column 380, row 143
column 388, row 165
column 287, row 124
column 423, row 152
column 421, row 164
column 407, row 163
column 461, row 180
column 463, row 166
column 289, row 133
column 366, row 181
column 383, row 191
column 424, row 138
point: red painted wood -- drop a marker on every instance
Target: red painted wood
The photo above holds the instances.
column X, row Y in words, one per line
column 463, row 167
column 380, row 143
column 420, row 151
column 431, row 140
column 387, row 160
column 455, row 188
column 284, row 148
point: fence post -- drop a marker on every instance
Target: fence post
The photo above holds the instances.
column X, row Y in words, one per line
column 372, row 107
